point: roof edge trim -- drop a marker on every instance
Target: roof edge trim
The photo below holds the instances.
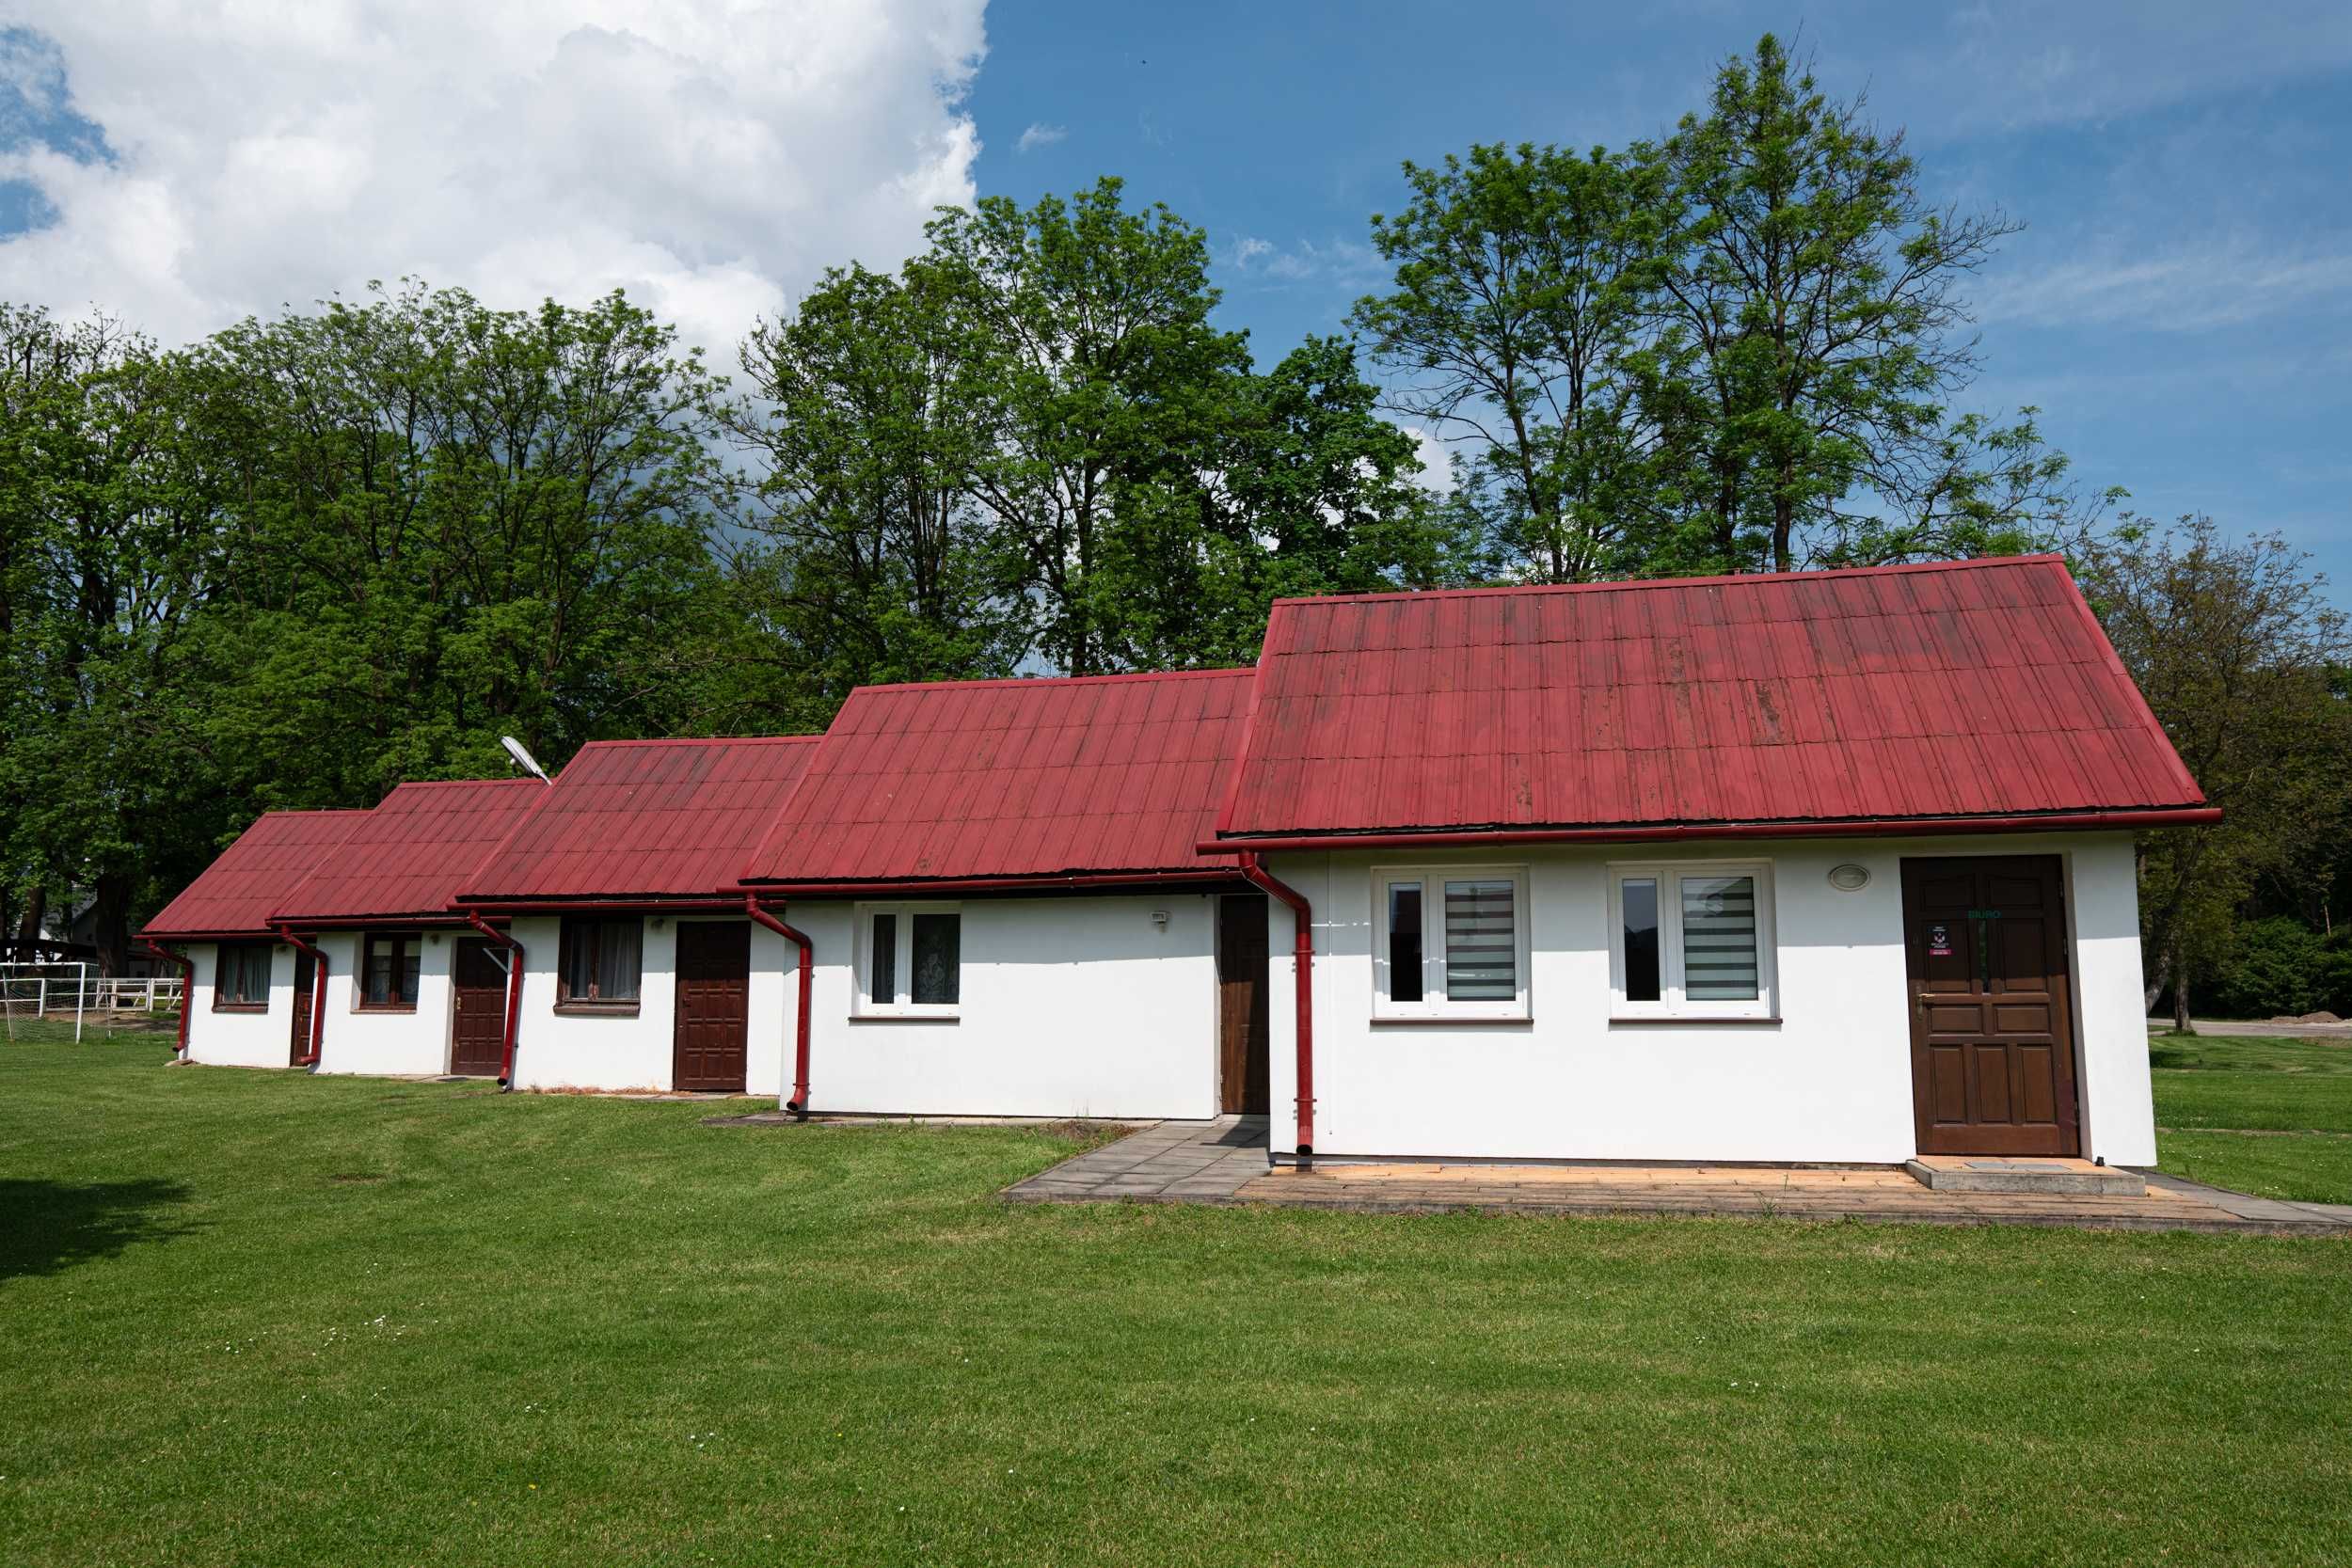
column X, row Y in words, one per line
column 1640, row 833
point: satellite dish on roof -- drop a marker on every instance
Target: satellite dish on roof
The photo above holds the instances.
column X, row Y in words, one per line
column 523, row 758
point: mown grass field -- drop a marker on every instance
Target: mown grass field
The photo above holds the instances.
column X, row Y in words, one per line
column 2269, row 1116
column 269, row 1318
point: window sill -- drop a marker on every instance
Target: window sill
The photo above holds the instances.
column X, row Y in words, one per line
column 1685, row 1020
column 597, row 1009
column 1450, row 1021
column 385, row 1008
column 241, row 1007
column 906, row 1017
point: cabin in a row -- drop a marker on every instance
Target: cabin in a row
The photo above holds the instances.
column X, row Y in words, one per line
column 1832, row 866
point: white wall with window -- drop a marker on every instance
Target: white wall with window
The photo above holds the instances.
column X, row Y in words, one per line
column 582, row 1028
column 1083, row 1006
column 1727, row 1003
column 233, row 1033
column 387, row 1000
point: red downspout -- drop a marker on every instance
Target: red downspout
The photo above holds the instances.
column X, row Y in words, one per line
column 187, row 986
column 798, row 1104
column 318, row 996
column 514, row 991
column 1303, row 964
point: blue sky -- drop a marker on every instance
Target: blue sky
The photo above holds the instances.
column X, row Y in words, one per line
column 2180, row 305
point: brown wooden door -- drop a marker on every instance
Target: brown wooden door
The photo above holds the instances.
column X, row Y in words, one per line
column 477, row 1010
column 298, row 1036
column 1241, row 1029
column 714, row 1006
column 1992, row 1038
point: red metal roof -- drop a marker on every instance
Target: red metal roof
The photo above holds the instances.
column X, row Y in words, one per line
column 407, row 857
column 235, row 894
column 645, row 818
column 1974, row 689
column 1084, row 776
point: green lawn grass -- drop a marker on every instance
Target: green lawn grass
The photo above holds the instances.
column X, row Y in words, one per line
column 264, row 1318
column 2269, row 1116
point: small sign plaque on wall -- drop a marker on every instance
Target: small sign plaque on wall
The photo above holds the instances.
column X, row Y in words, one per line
column 1939, row 941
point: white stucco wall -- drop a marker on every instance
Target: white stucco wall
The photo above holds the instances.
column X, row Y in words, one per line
column 1830, row 1081
column 359, row 1040
column 625, row 1052
column 1069, row 1006
column 240, row 1039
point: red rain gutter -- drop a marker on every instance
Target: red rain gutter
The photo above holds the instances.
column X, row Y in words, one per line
column 1303, row 966
column 996, row 884
column 2178, row 816
column 567, row 906
column 187, row 986
column 514, row 993
column 798, row 1104
column 318, row 996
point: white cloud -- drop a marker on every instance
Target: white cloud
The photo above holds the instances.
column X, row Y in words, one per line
column 1041, row 134
column 709, row 160
column 2181, row 288
column 1437, row 458
column 1345, row 262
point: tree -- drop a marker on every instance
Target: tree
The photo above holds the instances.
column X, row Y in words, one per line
column 1810, row 303
column 106, row 550
column 1302, row 488
column 1514, row 326
column 1106, row 386
column 866, row 423
column 2235, row 649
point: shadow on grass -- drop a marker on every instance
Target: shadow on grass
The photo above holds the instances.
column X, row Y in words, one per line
column 49, row 1226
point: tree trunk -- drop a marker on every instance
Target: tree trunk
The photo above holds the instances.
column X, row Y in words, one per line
column 35, row 905
column 110, row 922
column 2181, row 1024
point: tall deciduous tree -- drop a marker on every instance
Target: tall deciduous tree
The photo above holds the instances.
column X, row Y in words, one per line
column 1107, row 386
column 445, row 523
column 1515, row 329
column 107, row 548
column 866, row 422
column 2236, row 650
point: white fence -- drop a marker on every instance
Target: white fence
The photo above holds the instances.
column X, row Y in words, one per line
column 30, row 991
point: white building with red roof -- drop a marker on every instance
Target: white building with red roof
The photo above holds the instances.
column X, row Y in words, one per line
column 1832, row 866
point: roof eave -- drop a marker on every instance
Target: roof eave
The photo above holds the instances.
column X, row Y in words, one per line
column 2121, row 819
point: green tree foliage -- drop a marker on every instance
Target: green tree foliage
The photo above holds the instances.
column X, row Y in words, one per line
column 1032, row 446
column 2239, row 655
column 1730, row 350
column 866, row 425
column 449, row 523
column 107, row 546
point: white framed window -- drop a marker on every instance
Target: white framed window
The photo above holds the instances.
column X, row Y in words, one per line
column 1449, row 941
column 1692, row 939
column 910, row 960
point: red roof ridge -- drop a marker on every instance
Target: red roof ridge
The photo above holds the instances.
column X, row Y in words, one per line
column 1721, row 580
column 1058, row 680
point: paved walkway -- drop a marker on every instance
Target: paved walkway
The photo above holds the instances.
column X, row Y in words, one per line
column 1224, row 1161
column 1168, row 1162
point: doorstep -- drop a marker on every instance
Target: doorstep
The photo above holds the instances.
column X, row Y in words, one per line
column 1989, row 1173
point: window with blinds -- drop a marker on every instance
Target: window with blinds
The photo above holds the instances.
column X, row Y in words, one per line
column 1692, row 940
column 1452, row 942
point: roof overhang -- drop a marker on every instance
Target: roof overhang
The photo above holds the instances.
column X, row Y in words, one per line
column 652, row 903
column 2133, row 820
column 366, row 922
column 1102, row 881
